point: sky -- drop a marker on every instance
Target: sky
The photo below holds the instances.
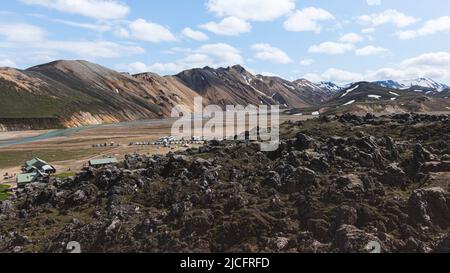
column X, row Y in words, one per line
column 321, row 40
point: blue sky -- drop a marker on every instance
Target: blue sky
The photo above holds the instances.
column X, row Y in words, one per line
column 340, row 41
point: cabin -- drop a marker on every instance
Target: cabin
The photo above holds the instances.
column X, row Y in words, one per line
column 98, row 163
column 33, row 170
column 27, row 178
column 38, row 165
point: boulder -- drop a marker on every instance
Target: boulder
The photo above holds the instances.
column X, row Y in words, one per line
column 422, row 155
column 394, row 176
column 199, row 221
column 347, row 216
column 320, row 229
column 6, row 207
column 236, row 202
column 391, row 148
column 435, row 167
column 430, row 207
column 350, row 185
column 111, row 229
column 350, row 239
column 444, row 245
column 304, row 142
column 79, row 197
column 301, row 179
column 179, row 209
column 307, row 176
column 273, row 179
column 281, row 243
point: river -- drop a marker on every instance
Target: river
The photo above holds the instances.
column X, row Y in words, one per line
column 70, row 131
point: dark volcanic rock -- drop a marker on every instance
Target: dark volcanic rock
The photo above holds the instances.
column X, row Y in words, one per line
column 394, row 176
column 344, row 184
column 349, row 239
column 444, row 245
column 430, row 206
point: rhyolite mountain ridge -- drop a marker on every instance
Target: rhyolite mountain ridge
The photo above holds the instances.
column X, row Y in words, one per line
column 75, row 93
column 64, row 94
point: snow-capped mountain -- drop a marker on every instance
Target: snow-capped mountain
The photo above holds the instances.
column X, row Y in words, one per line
column 331, row 87
column 424, row 82
column 307, row 84
column 421, row 84
column 390, row 84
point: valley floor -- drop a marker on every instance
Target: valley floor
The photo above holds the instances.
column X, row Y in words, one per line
column 70, row 150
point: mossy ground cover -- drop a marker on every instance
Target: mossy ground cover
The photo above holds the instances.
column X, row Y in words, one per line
column 17, row 158
column 4, row 192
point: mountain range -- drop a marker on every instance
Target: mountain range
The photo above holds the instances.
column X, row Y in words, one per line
column 64, row 94
column 419, row 85
column 371, row 97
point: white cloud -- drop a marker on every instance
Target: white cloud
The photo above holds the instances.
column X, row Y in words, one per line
column 194, row 34
column 142, row 30
column 122, row 32
column 340, row 76
column 371, row 50
column 313, row 77
column 82, row 49
column 213, row 55
column 373, row 2
column 335, row 75
column 401, row 73
column 7, row 63
column 98, row 27
column 254, row 10
column 269, row 74
column 307, row 20
column 351, row 38
column 230, row 26
column 221, row 54
column 42, row 56
column 134, row 68
column 22, row 32
column 306, row 62
column 88, row 49
column 390, row 16
column 140, row 67
column 435, row 65
column 368, row 30
column 433, row 59
column 94, row 27
column 429, row 28
column 406, row 35
column 267, row 52
column 331, row 48
column 98, row 9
